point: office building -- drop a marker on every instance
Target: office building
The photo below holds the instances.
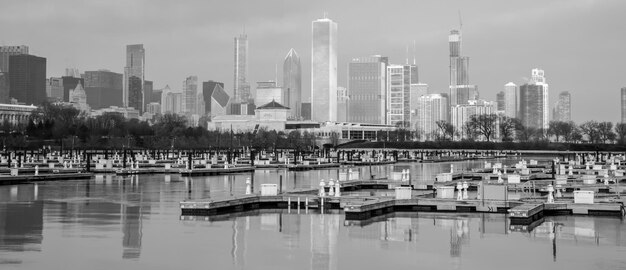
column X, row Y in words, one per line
column 430, row 109
column 367, row 81
column 6, row 52
column 306, row 111
column 4, row 88
column 72, row 72
column 134, row 76
column 190, row 93
column 462, row 113
column 54, row 89
column 153, row 108
column 399, row 81
column 342, row 104
column 292, row 84
column 460, row 89
column 241, row 91
column 216, row 100
column 27, row 79
column 533, row 101
column 148, row 90
column 500, row 102
column 103, row 88
column 511, row 100
column 562, row 110
column 324, row 71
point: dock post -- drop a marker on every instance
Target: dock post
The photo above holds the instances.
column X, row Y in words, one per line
column 306, row 205
column 248, row 187
column 298, row 205
column 280, row 186
column 289, row 205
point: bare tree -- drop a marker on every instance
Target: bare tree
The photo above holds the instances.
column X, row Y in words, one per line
column 605, row 130
column 507, row 126
column 620, row 130
column 446, row 130
column 591, row 130
column 484, row 124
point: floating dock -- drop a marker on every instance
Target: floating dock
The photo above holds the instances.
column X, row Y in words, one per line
column 215, row 171
column 19, row 179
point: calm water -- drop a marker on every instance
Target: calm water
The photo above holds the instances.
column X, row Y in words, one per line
column 134, row 223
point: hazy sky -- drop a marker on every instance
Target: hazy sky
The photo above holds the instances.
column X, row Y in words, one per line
column 579, row 43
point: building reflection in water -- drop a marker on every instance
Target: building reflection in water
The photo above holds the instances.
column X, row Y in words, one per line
column 324, row 231
column 131, row 210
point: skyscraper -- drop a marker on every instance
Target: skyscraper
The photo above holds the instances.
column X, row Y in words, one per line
column 342, row 104
column 103, row 88
column 267, row 92
column 533, row 98
column 190, row 93
column 134, row 74
column 148, row 90
column 500, row 101
column 292, row 84
column 431, row 108
column 54, row 89
column 215, row 98
column 27, row 78
column 4, row 87
column 6, row 52
column 367, row 81
column 460, row 89
column 563, row 108
column 623, row 98
column 510, row 100
column 399, row 81
column 241, row 90
column 324, row 71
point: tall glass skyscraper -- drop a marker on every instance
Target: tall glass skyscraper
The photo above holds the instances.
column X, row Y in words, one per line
column 324, row 71
column 510, row 100
column 533, row 98
column 460, row 89
column 190, row 94
column 6, row 51
column 367, row 81
column 241, row 90
column 134, row 74
column 292, row 84
column 562, row 110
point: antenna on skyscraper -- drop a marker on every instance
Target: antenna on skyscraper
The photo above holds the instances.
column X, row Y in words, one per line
column 325, row 15
column 460, row 21
column 276, row 74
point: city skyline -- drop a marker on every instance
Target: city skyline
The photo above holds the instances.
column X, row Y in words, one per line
column 503, row 31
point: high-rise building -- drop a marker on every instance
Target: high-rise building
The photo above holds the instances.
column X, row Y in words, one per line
column 190, row 93
column 292, row 84
column 54, row 89
column 267, row 92
column 462, row 113
column 324, row 71
column 72, row 72
column 562, row 110
column 69, row 84
column 399, row 81
column 6, row 52
column 306, row 111
column 430, row 109
column 241, row 90
column 500, row 101
column 342, row 104
column 103, row 88
column 460, row 89
column 216, row 100
column 4, row 87
column 27, row 78
column 148, row 90
column 510, row 100
column 533, row 101
column 367, row 81
column 623, row 97
column 153, row 108
column 417, row 90
column 134, row 76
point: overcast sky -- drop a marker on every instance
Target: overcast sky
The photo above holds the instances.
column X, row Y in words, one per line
column 579, row 43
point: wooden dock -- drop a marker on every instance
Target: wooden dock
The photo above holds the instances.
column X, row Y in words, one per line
column 19, row 179
column 215, row 171
column 303, row 167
